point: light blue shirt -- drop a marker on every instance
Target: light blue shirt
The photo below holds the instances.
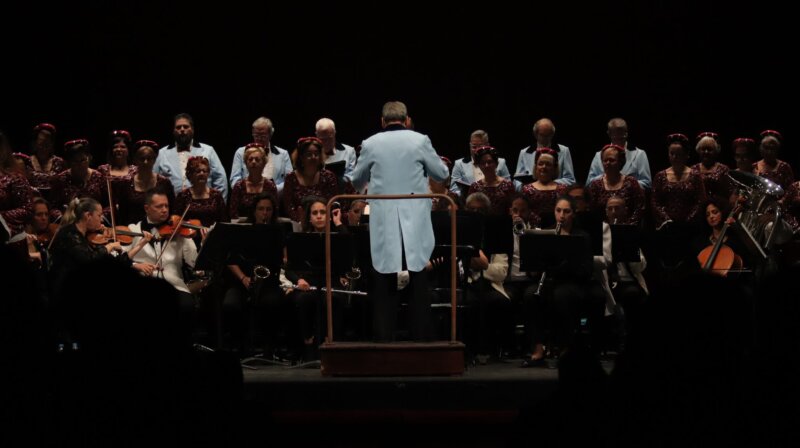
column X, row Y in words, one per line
column 463, row 172
column 281, row 165
column 566, row 172
column 399, row 161
column 168, row 164
column 636, row 166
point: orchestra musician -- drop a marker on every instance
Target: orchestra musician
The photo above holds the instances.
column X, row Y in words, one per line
column 245, row 294
column 162, row 258
column 304, row 287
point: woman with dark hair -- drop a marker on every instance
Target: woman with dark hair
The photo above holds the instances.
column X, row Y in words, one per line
column 207, row 204
column 308, row 301
column 309, row 178
column 542, row 192
column 43, row 164
column 770, row 166
column 614, row 183
column 247, row 189
column 678, row 191
column 118, row 167
column 16, row 194
column 716, row 213
column 498, row 189
column 568, row 294
column 142, row 180
column 270, row 307
column 78, row 181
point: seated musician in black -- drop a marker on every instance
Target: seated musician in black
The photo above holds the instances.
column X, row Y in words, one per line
column 568, row 295
column 270, row 307
column 302, row 286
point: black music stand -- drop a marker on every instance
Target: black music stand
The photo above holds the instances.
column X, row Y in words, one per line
column 626, row 239
column 229, row 243
column 469, row 240
column 498, row 235
column 543, row 250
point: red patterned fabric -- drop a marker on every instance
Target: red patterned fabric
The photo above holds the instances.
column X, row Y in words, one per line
column 680, row 202
column 542, row 202
column 630, row 192
column 293, row 192
column 242, row 201
column 500, row 195
column 16, row 201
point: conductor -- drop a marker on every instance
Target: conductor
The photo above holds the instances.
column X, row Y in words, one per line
column 399, row 161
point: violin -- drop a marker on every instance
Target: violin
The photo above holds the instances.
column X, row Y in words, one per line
column 188, row 228
column 46, row 236
column 121, row 234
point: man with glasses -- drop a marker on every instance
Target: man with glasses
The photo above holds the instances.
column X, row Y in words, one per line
column 279, row 164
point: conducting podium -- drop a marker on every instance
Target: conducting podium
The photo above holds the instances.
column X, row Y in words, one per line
column 395, row 358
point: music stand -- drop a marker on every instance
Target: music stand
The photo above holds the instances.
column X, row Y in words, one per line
column 229, row 243
column 306, row 253
column 542, row 250
column 498, row 235
column 626, row 239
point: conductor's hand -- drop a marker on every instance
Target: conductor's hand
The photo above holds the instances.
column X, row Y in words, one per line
column 303, row 285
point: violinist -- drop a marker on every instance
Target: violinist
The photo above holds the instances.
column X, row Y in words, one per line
column 40, row 226
column 180, row 250
column 71, row 246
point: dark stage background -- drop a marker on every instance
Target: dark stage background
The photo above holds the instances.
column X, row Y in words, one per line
column 664, row 66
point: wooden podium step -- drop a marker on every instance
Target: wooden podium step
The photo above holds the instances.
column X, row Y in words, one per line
column 441, row 358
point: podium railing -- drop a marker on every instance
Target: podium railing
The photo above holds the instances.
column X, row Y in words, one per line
column 328, row 280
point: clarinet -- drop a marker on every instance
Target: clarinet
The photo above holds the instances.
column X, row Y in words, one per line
column 544, row 274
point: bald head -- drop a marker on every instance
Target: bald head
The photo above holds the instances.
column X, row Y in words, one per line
column 543, row 131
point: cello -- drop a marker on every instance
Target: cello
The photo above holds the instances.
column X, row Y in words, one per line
column 719, row 258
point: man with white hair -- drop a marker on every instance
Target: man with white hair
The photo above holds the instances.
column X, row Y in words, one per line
column 279, row 164
column 544, row 132
column 333, row 150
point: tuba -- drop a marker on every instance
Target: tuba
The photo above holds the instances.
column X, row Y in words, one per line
column 762, row 214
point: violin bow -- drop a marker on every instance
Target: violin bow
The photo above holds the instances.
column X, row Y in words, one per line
column 111, row 210
column 174, row 231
